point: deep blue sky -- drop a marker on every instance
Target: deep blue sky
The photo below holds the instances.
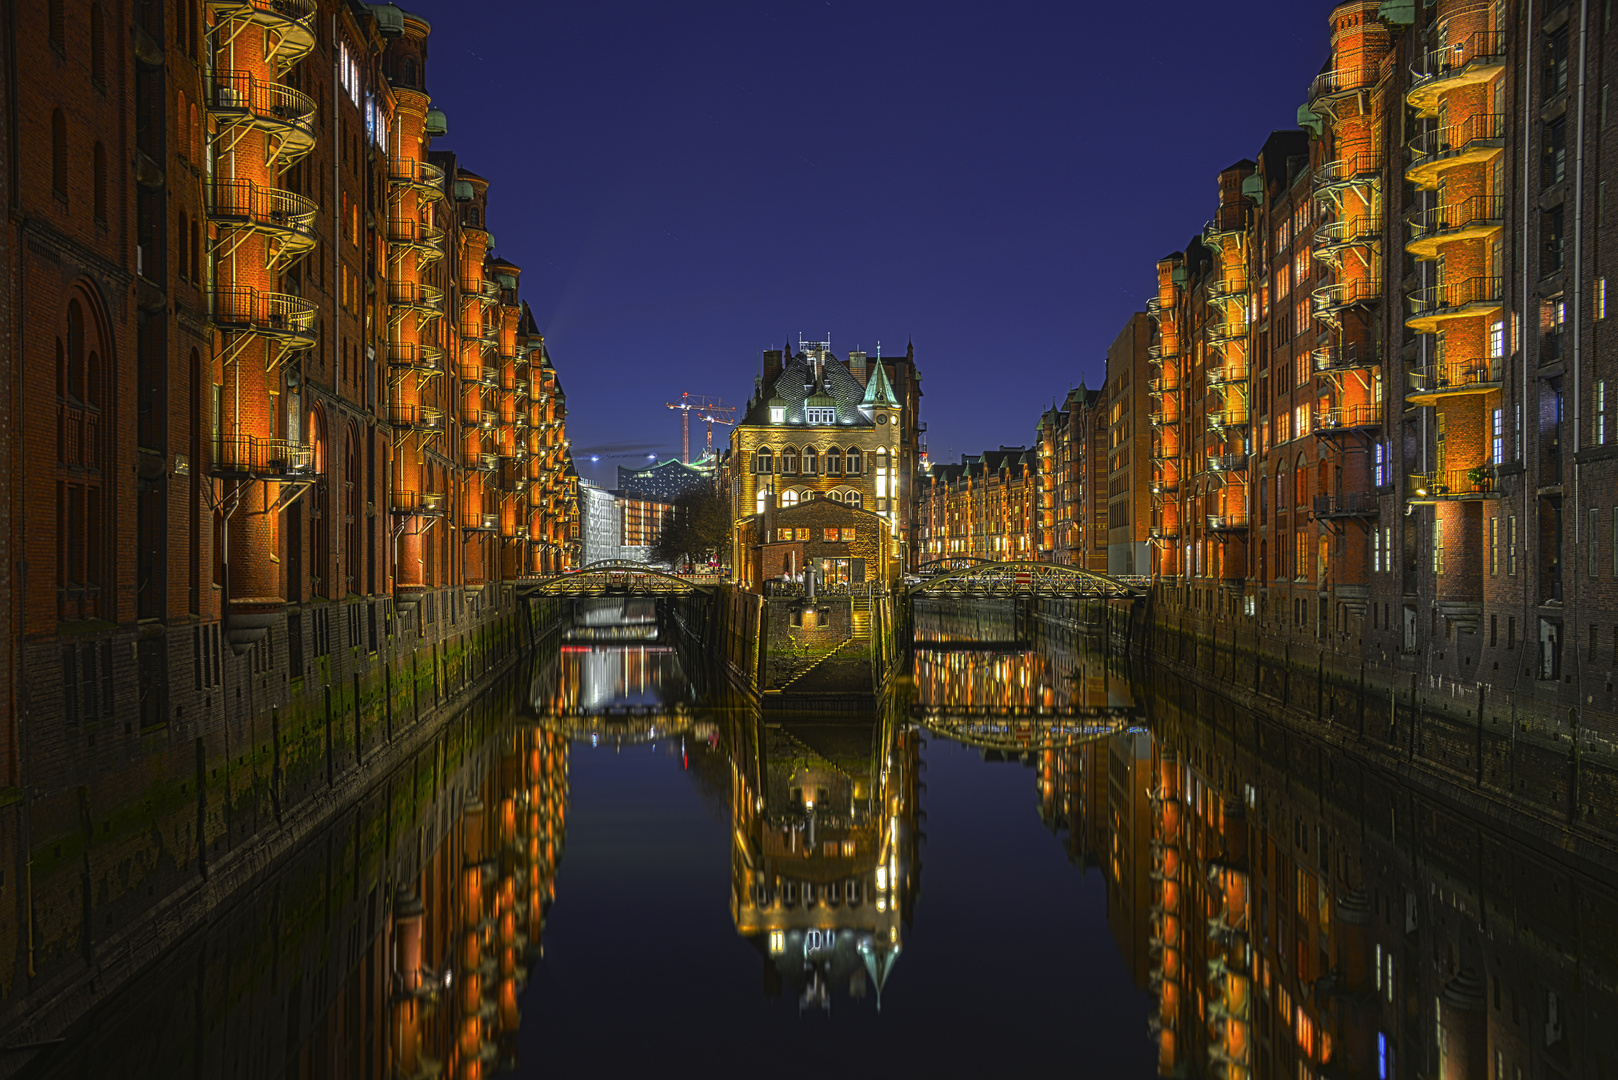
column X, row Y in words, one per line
column 687, row 184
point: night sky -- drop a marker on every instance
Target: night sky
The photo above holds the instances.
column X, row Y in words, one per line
column 687, row 184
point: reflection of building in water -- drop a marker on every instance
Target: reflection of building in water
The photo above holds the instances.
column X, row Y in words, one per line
column 1034, row 679
column 825, row 854
column 599, row 677
column 610, row 620
column 466, row 929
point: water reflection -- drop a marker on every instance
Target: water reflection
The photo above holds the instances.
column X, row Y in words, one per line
column 1264, row 906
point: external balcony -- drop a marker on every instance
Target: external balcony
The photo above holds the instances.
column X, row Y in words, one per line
column 1453, row 485
column 476, row 331
column 427, row 241
column 1473, row 141
column 1157, row 307
column 1156, row 354
column 483, row 375
column 1346, row 419
column 1350, row 171
column 1331, row 301
column 415, row 297
column 1216, row 232
column 284, row 218
column 1167, row 485
column 1164, row 418
column 410, row 416
column 1229, row 523
column 478, row 522
column 280, row 316
column 1341, row 359
column 248, row 456
column 477, row 417
column 1353, row 504
column 482, row 462
column 240, row 102
column 288, row 25
column 1477, row 218
column 1167, row 385
column 1453, row 379
column 1354, row 231
column 419, row 503
column 1226, row 331
column 422, row 177
column 1222, row 420
column 1232, row 289
column 408, row 356
column 1331, row 86
column 1471, row 298
column 1478, row 58
column 1165, row 532
column 1230, row 373
column 1227, row 464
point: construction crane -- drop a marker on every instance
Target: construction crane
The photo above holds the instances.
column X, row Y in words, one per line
column 710, row 411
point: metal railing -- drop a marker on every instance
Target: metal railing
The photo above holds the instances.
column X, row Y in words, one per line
column 1347, row 357
column 1453, row 483
column 242, row 202
column 1485, row 48
column 1329, row 300
column 1348, row 232
column 415, row 295
column 404, row 232
column 298, row 11
column 411, row 415
column 1347, row 504
column 1453, row 139
column 480, row 522
column 1228, row 522
column 1336, row 83
column 405, row 354
column 245, row 310
column 423, row 175
column 250, row 455
column 1477, row 212
column 1349, row 170
column 1227, row 374
column 1227, row 463
column 480, row 374
column 1438, row 300
column 1455, row 377
column 418, row 502
column 1220, row 419
column 1348, row 417
column 238, row 94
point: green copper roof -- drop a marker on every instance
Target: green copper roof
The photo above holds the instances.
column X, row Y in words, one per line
column 877, row 391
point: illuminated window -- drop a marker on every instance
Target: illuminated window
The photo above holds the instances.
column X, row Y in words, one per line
column 761, row 501
column 853, row 461
column 778, row 415
column 778, row 942
column 763, row 460
column 789, row 498
column 821, row 415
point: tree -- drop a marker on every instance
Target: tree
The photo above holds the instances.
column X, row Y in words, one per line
column 698, row 529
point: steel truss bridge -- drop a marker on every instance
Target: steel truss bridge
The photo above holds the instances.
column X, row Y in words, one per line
column 614, row 579
column 1025, row 730
column 1009, row 580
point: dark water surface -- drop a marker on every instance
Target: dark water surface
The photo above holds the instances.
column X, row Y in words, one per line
column 1030, row 863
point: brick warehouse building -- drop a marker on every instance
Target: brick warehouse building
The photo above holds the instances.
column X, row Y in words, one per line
column 304, row 432
column 989, row 506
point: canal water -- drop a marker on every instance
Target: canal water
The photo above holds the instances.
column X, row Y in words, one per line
column 1034, row 859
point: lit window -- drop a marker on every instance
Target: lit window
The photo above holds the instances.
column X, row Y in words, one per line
column 778, row 415
column 761, row 501
column 778, row 944
column 820, row 415
column 789, row 498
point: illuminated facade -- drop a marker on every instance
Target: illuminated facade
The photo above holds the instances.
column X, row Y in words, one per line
column 990, row 506
column 820, row 427
column 292, row 435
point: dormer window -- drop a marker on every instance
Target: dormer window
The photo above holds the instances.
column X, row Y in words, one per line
column 820, row 415
column 778, row 415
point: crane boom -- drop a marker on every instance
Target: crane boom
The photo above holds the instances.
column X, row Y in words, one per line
column 710, row 410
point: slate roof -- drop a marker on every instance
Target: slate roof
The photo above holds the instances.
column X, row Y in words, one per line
column 796, row 384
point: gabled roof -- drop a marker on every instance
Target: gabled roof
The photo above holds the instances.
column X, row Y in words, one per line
column 798, row 382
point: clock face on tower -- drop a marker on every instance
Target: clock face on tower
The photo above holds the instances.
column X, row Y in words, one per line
column 882, row 419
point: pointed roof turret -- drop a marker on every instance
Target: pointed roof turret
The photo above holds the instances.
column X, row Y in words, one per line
column 878, row 391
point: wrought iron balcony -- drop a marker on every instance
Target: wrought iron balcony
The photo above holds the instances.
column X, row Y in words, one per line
column 1348, row 418
column 1165, row 532
column 282, row 316
column 1351, row 170
column 419, row 503
column 239, row 101
column 1228, row 289
column 483, row 462
column 478, row 522
column 1156, row 354
column 1330, row 85
column 1474, row 59
column 1156, row 307
column 405, row 234
column 1167, row 485
column 1217, row 231
column 427, row 359
column 1225, row 419
column 422, row 177
column 1233, row 522
column 1476, row 218
column 1227, row 463
column 1463, row 299
column 474, row 374
column 1164, row 419
column 260, row 458
column 284, row 217
column 1230, row 374
column 412, row 416
column 1453, row 379
column 1477, row 482
column 1475, row 139
column 1356, row 230
column 1163, row 385
column 288, row 24
column 1331, row 301
column 415, row 296
column 1353, row 356
column 1352, row 504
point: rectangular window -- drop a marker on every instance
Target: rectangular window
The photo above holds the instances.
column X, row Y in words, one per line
column 1615, row 541
column 1300, row 420
column 1519, row 431
column 1601, row 413
column 1387, row 546
column 1381, row 463
column 1601, row 290
column 1376, row 550
column 1511, row 546
column 1498, row 443
column 1494, row 544
column 778, row 415
column 1438, row 547
column 1594, row 542
column 1497, row 339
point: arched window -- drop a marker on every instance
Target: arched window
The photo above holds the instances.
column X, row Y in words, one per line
column 57, row 17
column 851, row 498
column 84, row 518
column 185, row 246
column 407, row 72
column 59, row 154
column 789, row 497
column 854, row 461
column 98, row 46
column 98, row 174
column 194, row 135
column 834, row 462
column 1280, row 486
column 834, row 496
column 789, row 461
column 882, row 472
column 353, row 520
column 1300, row 478
column 184, row 113
column 811, row 461
column 763, row 460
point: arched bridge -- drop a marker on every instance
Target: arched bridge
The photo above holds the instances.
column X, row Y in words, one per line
column 1005, row 580
column 1013, row 730
column 614, row 579
column 623, row 725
